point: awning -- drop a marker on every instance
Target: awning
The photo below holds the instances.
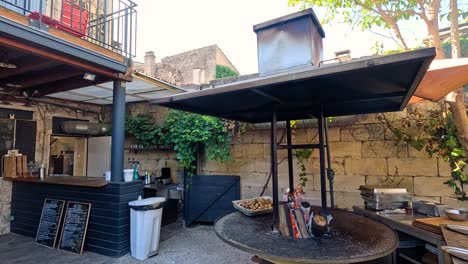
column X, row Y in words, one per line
column 142, row 88
column 365, row 85
column 443, row 77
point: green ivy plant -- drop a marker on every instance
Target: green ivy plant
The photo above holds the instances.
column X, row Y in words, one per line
column 435, row 133
column 187, row 131
column 143, row 129
column 224, row 72
column 302, row 156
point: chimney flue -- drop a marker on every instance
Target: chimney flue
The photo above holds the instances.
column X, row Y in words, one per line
column 150, row 63
column 290, row 41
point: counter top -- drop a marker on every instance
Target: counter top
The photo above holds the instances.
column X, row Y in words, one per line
column 402, row 222
column 66, row 180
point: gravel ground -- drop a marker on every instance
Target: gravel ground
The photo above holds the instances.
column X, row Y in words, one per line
column 197, row 245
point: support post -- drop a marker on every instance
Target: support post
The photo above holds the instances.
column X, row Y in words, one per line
column 323, row 183
column 118, row 131
column 290, row 161
column 330, row 171
column 274, row 171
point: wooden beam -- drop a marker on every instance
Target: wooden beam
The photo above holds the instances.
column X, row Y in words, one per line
column 57, row 57
column 35, row 78
column 66, row 85
column 24, row 68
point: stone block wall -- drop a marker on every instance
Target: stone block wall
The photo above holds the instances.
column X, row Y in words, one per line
column 362, row 152
column 5, row 206
column 43, row 116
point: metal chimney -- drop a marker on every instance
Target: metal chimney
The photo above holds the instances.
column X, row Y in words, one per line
column 290, row 41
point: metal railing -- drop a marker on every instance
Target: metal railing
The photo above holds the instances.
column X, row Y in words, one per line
column 108, row 23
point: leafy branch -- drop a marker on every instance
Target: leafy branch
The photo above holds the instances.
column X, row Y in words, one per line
column 436, row 134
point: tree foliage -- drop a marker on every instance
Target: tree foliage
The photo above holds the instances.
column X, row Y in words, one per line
column 224, row 71
column 384, row 18
column 447, row 48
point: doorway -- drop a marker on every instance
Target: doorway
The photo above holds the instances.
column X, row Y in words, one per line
column 68, row 156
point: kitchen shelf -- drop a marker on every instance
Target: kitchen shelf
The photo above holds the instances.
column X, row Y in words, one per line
column 413, row 255
column 153, row 148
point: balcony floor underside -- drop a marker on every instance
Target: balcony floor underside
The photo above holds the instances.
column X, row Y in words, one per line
column 45, row 63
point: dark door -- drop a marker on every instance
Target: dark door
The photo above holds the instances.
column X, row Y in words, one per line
column 26, row 138
column 209, row 197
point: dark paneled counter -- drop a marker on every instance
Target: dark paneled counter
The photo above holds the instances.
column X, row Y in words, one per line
column 109, row 223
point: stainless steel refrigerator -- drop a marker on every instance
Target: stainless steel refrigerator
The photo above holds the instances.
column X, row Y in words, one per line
column 99, row 156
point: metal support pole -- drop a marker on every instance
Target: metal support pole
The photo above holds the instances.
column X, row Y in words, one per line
column 274, row 171
column 118, row 131
column 330, row 171
column 323, row 183
column 290, row 160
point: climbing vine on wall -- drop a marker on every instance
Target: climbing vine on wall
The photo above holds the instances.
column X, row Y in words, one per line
column 435, row 133
column 143, row 129
column 187, row 131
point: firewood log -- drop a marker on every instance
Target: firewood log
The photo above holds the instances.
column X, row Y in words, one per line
column 319, row 225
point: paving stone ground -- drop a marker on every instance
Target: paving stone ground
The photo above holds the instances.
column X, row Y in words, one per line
column 195, row 245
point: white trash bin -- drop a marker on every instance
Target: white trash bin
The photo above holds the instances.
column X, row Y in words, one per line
column 145, row 226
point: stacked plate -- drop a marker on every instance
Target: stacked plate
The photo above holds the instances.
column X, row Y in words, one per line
column 459, row 229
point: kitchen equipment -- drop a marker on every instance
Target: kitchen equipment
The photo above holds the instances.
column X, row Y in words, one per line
column 166, row 172
column 457, row 215
column 429, row 208
column 384, row 197
column 42, row 171
column 457, row 252
column 128, row 175
column 165, row 177
column 432, row 224
column 459, row 229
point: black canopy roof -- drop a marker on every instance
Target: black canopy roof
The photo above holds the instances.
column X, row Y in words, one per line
column 365, row 85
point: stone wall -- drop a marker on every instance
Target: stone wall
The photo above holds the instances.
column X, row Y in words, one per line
column 43, row 116
column 150, row 160
column 181, row 68
column 362, row 151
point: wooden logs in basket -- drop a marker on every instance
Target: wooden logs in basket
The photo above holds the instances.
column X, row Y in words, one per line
column 293, row 222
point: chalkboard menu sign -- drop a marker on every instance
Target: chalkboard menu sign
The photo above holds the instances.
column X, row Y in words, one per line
column 74, row 227
column 49, row 224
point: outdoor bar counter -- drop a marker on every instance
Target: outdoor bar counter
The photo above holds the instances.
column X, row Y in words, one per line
column 109, row 222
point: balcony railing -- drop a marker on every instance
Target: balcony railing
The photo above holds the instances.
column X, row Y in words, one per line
column 108, row 23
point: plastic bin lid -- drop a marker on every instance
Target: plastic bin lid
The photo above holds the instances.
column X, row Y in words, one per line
column 147, row 201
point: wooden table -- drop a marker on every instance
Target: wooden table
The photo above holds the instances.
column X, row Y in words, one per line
column 404, row 223
column 355, row 238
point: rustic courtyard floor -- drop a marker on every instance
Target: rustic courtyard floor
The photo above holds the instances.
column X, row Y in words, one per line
column 179, row 245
